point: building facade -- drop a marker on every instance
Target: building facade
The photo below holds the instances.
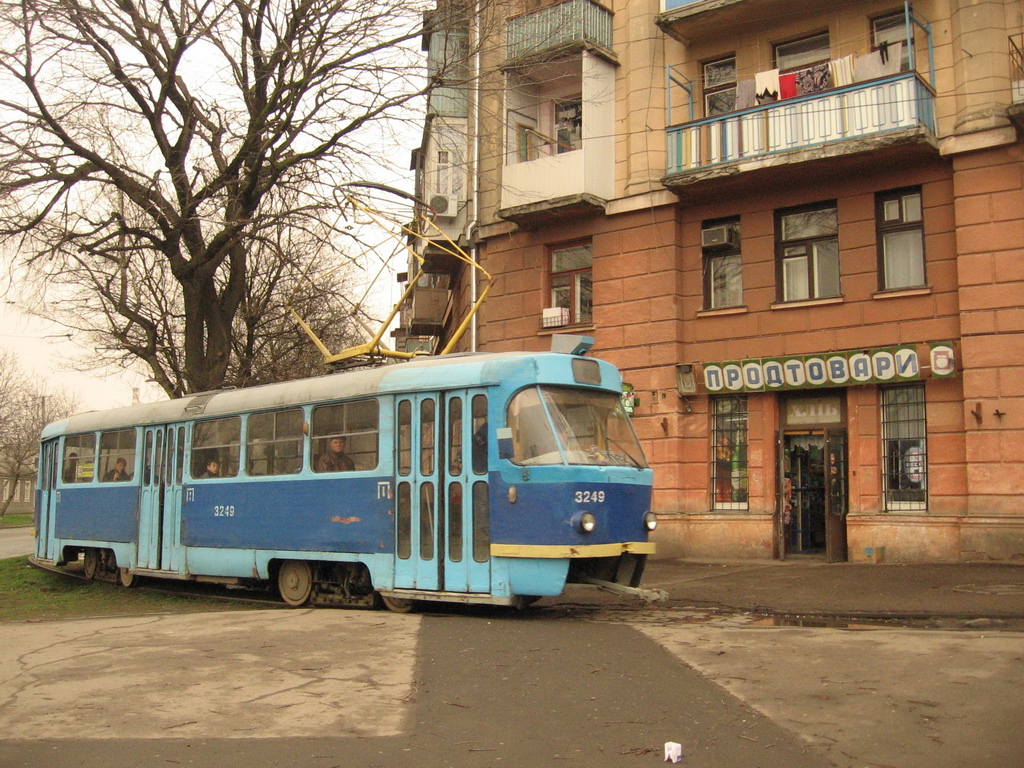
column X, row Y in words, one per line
column 797, row 229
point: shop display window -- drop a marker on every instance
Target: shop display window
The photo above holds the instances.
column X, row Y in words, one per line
column 904, row 448
column 729, row 472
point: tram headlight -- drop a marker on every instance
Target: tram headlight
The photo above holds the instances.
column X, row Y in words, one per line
column 585, row 522
column 650, row 521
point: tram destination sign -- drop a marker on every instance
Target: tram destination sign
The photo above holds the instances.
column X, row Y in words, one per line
column 829, row 369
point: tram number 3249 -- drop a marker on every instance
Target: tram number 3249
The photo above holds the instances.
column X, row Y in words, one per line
column 222, row 510
column 589, row 497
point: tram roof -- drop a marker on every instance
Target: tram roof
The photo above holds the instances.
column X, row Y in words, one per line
column 418, row 374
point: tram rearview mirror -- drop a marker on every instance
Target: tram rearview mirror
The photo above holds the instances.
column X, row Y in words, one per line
column 505, row 443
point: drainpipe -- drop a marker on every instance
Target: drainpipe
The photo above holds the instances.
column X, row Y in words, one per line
column 474, row 208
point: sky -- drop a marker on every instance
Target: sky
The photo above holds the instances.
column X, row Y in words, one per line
column 44, row 353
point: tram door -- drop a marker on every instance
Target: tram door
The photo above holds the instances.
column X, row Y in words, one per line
column 46, row 502
column 160, row 503
column 439, row 539
column 467, row 564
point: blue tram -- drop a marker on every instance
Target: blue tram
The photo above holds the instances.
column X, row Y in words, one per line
column 488, row 478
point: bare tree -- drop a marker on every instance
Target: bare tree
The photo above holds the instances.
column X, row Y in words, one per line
column 25, row 409
column 153, row 155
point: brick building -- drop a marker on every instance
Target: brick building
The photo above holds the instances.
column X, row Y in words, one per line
column 797, row 228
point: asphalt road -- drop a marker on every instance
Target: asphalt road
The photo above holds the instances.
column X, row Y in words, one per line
column 331, row 688
column 16, row 542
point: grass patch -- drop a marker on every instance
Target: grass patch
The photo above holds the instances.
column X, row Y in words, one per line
column 27, row 593
column 15, row 521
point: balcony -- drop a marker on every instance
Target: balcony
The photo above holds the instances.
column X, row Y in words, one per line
column 560, row 155
column 847, row 120
column 571, row 25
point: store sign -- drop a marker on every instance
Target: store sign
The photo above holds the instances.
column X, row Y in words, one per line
column 830, row 369
column 813, row 410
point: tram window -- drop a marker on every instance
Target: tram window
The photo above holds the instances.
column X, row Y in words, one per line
column 180, row 465
column 357, row 424
column 427, row 431
column 216, row 447
column 532, row 439
column 427, row 521
column 274, row 443
column 147, row 459
column 592, row 428
column 404, row 437
column 455, row 522
column 455, row 436
column 480, row 434
column 79, row 458
column 481, row 523
column 117, row 455
column 404, row 521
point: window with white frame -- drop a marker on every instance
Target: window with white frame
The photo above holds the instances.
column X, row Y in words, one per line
column 571, row 280
column 900, row 223
column 904, row 448
column 729, row 473
column 808, row 253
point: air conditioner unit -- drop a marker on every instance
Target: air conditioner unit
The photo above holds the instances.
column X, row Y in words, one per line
column 720, row 237
column 446, row 206
column 555, row 317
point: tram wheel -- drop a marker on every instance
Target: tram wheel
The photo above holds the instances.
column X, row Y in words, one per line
column 126, row 578
column 92, row 563
column 295, row 582
column 398, row 604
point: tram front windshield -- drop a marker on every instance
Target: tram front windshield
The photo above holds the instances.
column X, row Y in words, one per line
column 555, row 425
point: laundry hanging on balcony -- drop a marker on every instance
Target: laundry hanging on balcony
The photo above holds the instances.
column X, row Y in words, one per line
column 881, row 63
column 813, row 80
column 766, row 86
column 841, row 71
column 745, row 90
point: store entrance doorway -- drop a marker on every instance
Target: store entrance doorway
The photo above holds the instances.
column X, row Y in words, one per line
column 813, row 494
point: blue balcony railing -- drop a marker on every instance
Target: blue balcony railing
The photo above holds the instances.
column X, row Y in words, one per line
column 574, row 21
column 859, row 111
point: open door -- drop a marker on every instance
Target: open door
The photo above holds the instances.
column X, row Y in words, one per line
column 835, row 495
column 812, row 503
column 47, row 498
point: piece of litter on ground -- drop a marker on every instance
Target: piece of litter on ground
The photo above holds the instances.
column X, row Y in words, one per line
column 673, row 752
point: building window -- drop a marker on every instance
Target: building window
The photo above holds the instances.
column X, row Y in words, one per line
column 900, row 239
column 803, row 53
column 720, row 87
column 571, row 281
column 887, row 31
column 729, row 446
column 723, row 265
column 808, row 253
column 904, row 448
column 568, row 125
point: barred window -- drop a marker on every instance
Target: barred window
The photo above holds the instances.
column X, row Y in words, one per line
column 729, row 474
column 904, row 448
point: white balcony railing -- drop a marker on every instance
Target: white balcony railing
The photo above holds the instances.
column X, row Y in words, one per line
column 855, row 112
